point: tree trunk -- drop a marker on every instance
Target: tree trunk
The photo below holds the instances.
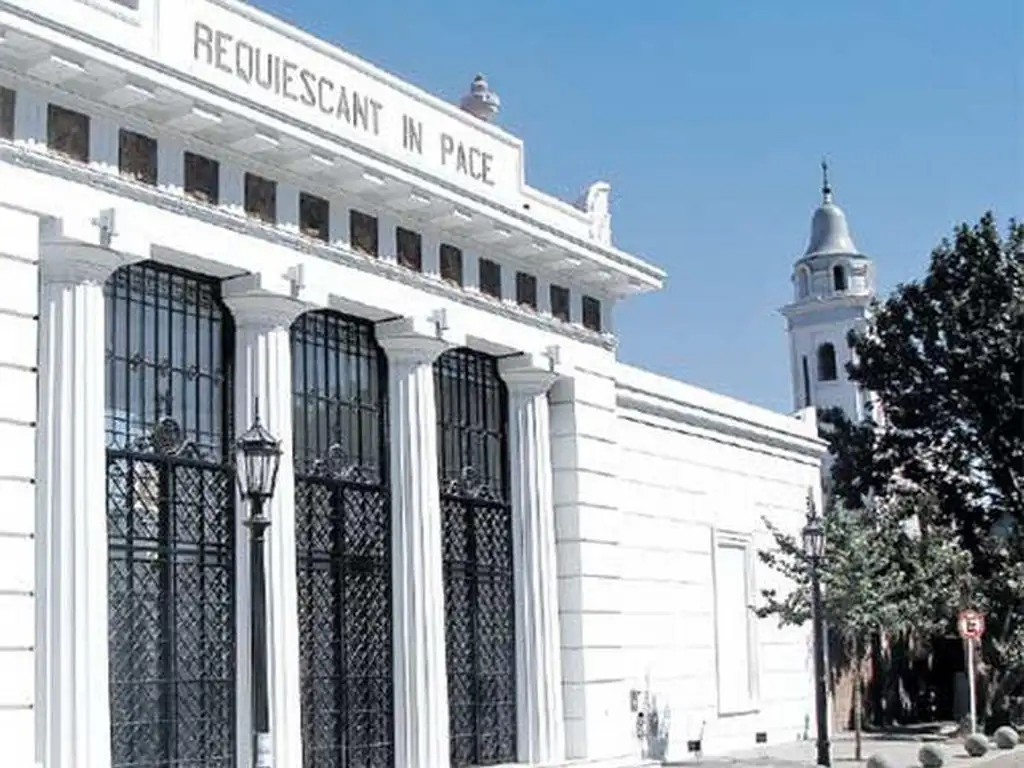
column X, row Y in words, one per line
column 858, row 707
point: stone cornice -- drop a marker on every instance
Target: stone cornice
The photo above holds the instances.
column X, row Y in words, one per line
column 80, row 174
column 817, row 304
column 717, row 424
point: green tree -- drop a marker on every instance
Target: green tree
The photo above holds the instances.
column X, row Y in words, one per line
column 878, row 574
column 944, row 356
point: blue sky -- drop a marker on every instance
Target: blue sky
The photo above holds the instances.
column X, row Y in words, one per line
column 710, row 117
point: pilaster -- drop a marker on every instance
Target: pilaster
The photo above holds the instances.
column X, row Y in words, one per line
column 263, row 374
column 431, row 251
column 599, row 724
column 19, row 329
column 232, row 188
column 541, row 716
column 420, row 680
column 387, row 236
column 288, row 207
column 339, row 212
column 170, row 164
column 104, row 144
column 73, row 726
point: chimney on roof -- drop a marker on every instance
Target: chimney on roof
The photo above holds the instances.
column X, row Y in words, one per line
column 481, row 101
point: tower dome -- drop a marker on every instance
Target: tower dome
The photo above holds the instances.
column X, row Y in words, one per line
column 833, row 288
column 830, row 233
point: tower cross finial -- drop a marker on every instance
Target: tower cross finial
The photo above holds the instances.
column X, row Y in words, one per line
column 826, row 188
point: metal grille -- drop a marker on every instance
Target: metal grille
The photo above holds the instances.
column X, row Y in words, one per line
column 170, row 516
column 477, row 541
column 343, row 538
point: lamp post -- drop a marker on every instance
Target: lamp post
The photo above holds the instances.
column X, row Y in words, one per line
column 814, row 548
column 259, row 454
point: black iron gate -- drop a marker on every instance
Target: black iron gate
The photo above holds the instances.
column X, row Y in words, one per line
column 477, row 540
column 170, row 515
column 343, row 539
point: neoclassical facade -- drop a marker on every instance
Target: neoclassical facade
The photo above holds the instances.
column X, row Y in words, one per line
column 491, row 542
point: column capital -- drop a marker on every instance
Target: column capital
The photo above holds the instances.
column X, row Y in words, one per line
column 528, row 374
column 86, row 249
column 417, row 339
column 255, row 307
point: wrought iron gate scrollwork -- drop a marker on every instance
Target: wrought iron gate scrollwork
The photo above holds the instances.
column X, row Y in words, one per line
column 343, row 542
column 477, row 542
column 170, row 518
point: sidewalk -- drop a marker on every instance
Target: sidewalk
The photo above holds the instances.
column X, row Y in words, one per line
column 901, row 749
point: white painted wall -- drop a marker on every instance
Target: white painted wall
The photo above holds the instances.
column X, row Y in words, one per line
column 19, row 296
column 696, row 470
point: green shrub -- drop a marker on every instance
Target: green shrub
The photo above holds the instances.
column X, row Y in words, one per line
column 931, row 756
column 976, row 745
column 881, row 761
column 1006, row 738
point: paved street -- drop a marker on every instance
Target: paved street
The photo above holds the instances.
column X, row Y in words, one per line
column 903, row 750
column 1013, row 759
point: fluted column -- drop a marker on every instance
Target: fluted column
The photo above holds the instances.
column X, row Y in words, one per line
column 420, row 679
column 541, row 719
column 263, row 374
column 73, row 695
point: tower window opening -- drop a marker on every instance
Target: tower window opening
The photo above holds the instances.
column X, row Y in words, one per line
column 827, row 369
column 807, row 382
column 839, row 277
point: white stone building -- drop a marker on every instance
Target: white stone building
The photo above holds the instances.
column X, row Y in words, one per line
column 491, row 542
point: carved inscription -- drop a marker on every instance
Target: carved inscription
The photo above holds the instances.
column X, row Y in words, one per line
column 329, row 94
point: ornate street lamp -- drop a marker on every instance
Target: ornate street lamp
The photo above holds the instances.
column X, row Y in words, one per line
column 814, row 548
column 258, row 457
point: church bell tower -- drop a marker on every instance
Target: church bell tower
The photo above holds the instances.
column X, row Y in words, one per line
column 833, row 286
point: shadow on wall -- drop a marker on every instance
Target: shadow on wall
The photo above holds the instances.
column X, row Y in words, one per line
column 652, row 727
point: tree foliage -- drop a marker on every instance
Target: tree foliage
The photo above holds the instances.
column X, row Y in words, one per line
column 944, row 360
column 878, row 573
column 944, row 356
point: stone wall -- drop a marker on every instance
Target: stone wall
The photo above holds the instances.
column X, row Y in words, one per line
column 19, row 299
column 697, row 474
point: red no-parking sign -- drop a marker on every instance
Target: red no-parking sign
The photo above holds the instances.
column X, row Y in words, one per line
column 971, row 625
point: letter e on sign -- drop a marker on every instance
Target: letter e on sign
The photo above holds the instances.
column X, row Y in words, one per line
column 971, row 625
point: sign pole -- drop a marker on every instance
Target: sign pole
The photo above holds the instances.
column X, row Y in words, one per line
column 970, row 683
column 971, row 625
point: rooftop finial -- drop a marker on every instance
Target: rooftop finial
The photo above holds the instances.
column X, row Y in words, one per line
column 481, row 101
column 826, row 188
